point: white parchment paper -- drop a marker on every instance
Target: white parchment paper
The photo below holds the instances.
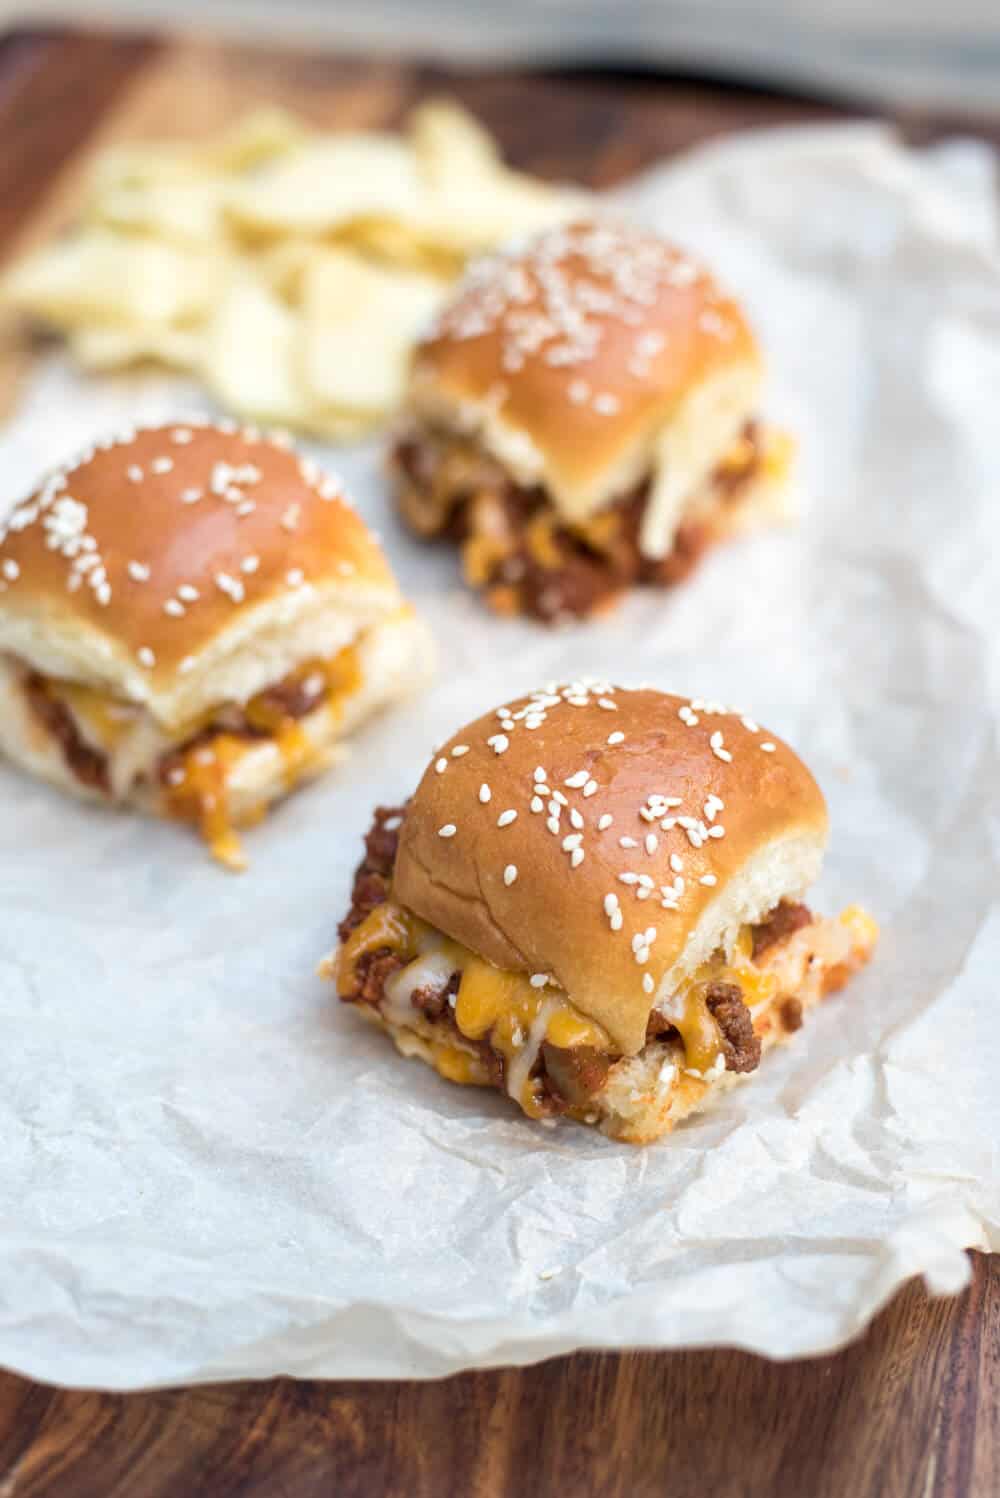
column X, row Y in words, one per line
column 210, row 1170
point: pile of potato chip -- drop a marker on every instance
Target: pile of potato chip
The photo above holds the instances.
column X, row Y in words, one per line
column 290, row 271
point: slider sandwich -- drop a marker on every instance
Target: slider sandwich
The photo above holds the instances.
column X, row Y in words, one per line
column 192, row 620
column 585, row 416
column 594, row 903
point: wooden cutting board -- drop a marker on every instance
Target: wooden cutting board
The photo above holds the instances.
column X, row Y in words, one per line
column 913, row 1409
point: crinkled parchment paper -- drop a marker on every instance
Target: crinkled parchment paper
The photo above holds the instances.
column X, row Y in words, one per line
column 210, row 1170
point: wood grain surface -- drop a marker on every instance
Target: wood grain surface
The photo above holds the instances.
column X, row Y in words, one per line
column 910, row 1411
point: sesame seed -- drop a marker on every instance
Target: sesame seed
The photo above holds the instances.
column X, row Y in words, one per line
column 603, row 823
column 627, row 842
column 553, row 825
column 291, row 517
column 138, row 571
column 250, row 564
column 174, row 607
column 616, row 738
column 607, row 704
column 485, row 794
column 188, row 593
column 590, row 788
column 441, row 766
column 539, row 980
column 510, row 874
column 750, row 725
column 182, row 436
column 617, row 920
column 537, row 804
column 231, row 586
column 146, row 656
column 187, row 664
column 716, row 746
column 717, row 831
column 647, row 982
column 576, row 820
column 294, row 577
column 676, row 862
column 11, row 570
column 161, row 465
column 506, row 817
column 499, row 743
column 768, row 748
column 134, row 473
column 610, row 903
column 628, row 878
column 606, row 404
column 448, row 830
column 191, row 496
column 708, row 879
column 246, row 507
column 576, row 858
column 559, row 798
column 459, row 750
column 576, row 781
column 571, row 841
column 539, row 774
column 652, row 842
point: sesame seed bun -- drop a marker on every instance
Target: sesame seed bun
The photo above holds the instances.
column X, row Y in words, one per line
column 581, row 363
column 748, row 830
column 185, row 565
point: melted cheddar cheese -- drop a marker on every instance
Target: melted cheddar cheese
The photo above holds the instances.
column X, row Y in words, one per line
column 102, row 720
column 199, row 792
column 515, row 1018
column 689, row 1010
column 492, row 1004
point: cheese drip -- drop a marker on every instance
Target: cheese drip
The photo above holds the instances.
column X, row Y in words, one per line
column 199, row 792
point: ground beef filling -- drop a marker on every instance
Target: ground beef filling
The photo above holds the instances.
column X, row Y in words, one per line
column 740, row 1046
column 89, row 765
column 294, row 698
column 785, row 919
column 565, row 1077
column 517, row 551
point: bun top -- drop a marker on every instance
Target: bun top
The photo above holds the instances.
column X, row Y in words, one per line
column 610, row 838
column 165, row 549
column 568, row 357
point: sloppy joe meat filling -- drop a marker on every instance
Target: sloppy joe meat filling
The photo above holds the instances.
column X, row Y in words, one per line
column 524, row 557
column 192, row 774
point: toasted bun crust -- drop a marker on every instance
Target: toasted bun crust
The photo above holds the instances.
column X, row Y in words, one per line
column 573, row 359
column 186, row 564
column 556, row 915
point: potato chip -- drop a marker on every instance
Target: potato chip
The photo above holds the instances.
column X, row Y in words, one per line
column 188, row 211
column 448, row 142
column 249, row 355
column 359, row 324
column 99, row 276
column 327, row 183
column 290, row 269
column 103, row 348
